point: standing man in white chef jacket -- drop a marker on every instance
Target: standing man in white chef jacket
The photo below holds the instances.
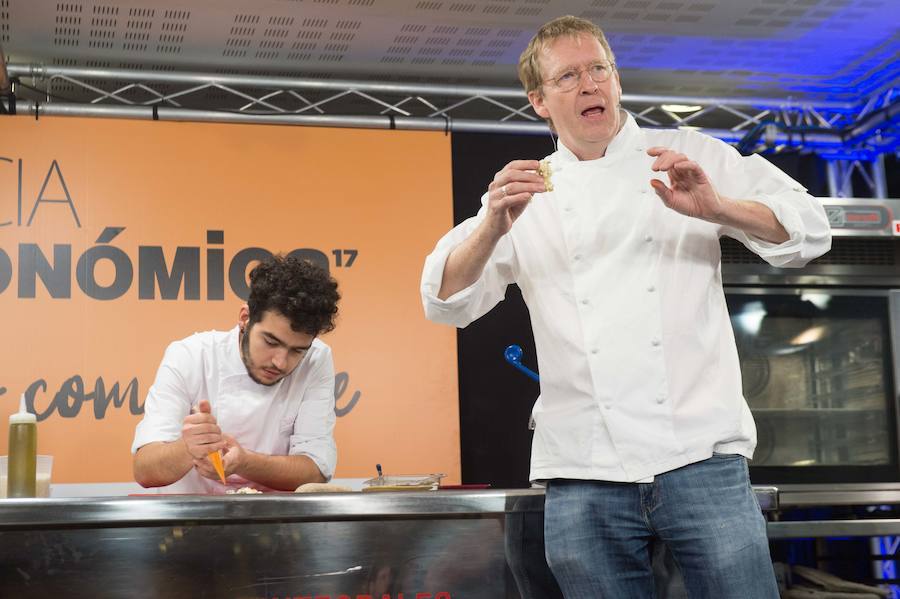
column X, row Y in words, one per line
column 262, row 393
column 642, row 432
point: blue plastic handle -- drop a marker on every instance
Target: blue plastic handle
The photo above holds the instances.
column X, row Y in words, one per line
column 513, row 355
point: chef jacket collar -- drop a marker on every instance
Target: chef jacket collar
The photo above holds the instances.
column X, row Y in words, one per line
column 623, row 144
column 233, row 365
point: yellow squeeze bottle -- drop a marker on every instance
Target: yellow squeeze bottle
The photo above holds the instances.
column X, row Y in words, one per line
column 22, row 465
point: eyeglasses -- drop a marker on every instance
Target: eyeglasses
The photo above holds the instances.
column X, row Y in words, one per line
column 569, row 80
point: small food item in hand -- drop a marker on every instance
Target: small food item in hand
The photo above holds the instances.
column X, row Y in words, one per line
column 322, row 488
column 243, row 491
column 545, row 171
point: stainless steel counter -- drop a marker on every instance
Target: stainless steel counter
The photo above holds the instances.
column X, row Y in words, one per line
column 418, row 545
column 839, row 494
column 859, row 494
column 275, row 507
column 423, row 545
column 35, row 514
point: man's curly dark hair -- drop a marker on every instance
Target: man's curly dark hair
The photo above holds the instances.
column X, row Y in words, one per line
column 298, row 289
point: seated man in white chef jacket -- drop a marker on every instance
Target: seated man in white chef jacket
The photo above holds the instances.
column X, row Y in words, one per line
column 262, row 393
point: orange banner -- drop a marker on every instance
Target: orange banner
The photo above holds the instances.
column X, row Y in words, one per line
column 118, row 237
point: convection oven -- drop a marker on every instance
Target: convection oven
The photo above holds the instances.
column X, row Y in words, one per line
column 819, row 351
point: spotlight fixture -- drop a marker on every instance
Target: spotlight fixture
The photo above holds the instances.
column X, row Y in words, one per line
column 680, row 108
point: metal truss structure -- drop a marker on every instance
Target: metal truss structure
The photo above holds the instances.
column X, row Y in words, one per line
column 851, row 137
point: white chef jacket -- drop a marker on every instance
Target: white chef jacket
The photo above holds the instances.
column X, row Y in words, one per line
column 293, row 417
column 638, row 364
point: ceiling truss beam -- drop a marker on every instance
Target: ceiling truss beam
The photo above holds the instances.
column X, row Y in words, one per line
column 833, row 129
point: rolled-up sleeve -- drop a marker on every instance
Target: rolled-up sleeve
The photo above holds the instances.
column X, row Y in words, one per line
column 168, row 401
column 473, row 302
column 802, row 216
column 313, row 434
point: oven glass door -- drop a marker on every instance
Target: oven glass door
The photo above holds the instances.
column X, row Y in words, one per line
column 818, row 375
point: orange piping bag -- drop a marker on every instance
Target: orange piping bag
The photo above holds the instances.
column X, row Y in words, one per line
column 216, row 458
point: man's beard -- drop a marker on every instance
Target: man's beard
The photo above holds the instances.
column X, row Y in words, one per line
column 248, row 363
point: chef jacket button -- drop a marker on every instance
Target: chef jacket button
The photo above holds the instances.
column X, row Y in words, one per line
column 594, row 351
column 585, row 302
column 644, row 191
column 648, row 238
column 661, row 399
column 576, row 257
column 651, row 288
column 607, row 406
column 655, row 342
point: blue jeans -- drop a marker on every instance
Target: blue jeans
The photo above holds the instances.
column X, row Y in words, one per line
column 598, row 534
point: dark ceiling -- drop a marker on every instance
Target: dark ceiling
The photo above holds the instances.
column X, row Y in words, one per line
column 818, row 50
